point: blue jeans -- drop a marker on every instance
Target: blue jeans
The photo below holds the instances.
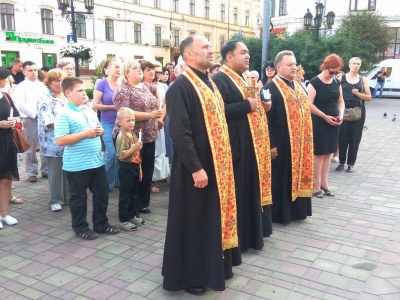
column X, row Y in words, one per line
column 379, row 85
column 110, row 158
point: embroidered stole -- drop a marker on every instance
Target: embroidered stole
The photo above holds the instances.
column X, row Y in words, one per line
column 301, row 137
column 260, row 135
column 217, row 131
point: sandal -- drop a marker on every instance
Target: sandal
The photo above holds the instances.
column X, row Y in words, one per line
column 110, row 230
column 15, row 200
column 327, row 192
column 318, row 194
column 88, row 235
column 155, row 189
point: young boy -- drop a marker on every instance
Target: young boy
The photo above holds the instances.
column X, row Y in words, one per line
column 78, row 129
column 128, row 152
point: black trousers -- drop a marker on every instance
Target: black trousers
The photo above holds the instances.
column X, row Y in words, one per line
column 350, row 135
column 79, row 182
column 147, row 154
column 128, row 190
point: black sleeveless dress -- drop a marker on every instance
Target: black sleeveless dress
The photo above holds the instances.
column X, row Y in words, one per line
column 325, row 135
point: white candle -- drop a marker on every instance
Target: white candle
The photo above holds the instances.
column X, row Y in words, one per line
column 11, row 112
column 160, row 105
column 140, row 135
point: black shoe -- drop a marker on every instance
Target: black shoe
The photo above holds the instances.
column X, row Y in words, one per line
column 229, row 276
column 45, row 176
column 340, row 168
column 350, row 169
column 145, row 210
column 196, row 290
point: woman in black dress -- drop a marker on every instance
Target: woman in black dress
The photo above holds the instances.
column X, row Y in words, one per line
column 355, row 93
column 326, row 106
column 8, row 150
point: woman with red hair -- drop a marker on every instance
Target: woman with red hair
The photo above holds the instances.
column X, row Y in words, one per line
column 327, row 107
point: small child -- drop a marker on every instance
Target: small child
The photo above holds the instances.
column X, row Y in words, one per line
column 130, row 172
column 78, row 129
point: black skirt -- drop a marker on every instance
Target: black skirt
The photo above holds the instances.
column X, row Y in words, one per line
column 8, row 156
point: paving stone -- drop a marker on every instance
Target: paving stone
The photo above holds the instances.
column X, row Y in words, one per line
column 142, row 287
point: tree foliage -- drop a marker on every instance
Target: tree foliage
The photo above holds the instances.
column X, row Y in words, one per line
column 362, row 34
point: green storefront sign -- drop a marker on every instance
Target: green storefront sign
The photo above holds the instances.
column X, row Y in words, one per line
column 10, row 36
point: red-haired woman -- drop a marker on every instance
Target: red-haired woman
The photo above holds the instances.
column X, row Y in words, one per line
column 327, row 106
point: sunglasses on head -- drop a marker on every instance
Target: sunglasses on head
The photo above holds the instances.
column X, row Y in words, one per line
column 158, row 72
column 333, row 72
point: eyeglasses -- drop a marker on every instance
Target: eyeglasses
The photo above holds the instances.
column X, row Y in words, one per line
column 333, row 73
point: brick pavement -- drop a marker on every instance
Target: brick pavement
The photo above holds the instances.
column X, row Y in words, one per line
column 348, row 249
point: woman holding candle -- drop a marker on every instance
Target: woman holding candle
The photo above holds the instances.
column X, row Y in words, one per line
column 9, row 117
column 102, row 101
column 134, row 94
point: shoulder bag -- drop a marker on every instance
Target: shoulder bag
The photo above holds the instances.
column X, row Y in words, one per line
column 354, row 114
column 18, row 135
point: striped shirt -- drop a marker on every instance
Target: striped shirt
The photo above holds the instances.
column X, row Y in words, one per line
column 85, row 154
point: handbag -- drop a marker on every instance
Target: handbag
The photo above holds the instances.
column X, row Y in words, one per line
column 354, row 114
column 20, row 141
column 18, row 135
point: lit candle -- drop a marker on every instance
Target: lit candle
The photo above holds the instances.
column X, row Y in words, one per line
column 160, row 105
column 140, row 135
column 11, row 112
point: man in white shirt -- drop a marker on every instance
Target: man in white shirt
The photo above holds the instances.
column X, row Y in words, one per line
column 26, row 97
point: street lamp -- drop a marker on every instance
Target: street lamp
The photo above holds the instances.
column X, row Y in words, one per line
column 319, row 10
column 63, row 5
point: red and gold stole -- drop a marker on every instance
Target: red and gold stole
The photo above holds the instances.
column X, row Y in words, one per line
column 217, row 131
column 259, row 132
column 301, row 137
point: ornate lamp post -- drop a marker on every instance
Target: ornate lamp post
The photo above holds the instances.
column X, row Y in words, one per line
column 63, row 5
column 319, row 10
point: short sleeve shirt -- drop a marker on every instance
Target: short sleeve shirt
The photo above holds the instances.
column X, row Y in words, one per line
column 85, row 154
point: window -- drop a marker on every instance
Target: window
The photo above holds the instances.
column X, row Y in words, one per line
column 7, row 16
column 207, row 10
column 247, row 19
column 222, row 12
column 192, row 7
column 222, row 41
column 157, row 4
column 272, row 8
column 137, row 29
column 80, row 26
column 176, row 6
column 176, row 38
column 192, row 32
column 207, row 36
column 235, row 16
column 157, row 32
column 109, row 30
column 362, row 5
column 47, row 21
column 282, row 7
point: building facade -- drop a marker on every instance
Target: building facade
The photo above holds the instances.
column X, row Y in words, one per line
column 141, row 29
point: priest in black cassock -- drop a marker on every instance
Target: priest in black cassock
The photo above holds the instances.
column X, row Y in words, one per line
column 202, row 204
column 292, row 153
column 249, row 138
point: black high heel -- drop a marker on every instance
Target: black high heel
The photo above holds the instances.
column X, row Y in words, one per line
column 318, row 195
column 327, row 192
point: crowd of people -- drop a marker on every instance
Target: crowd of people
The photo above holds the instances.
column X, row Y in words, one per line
column 244, row 151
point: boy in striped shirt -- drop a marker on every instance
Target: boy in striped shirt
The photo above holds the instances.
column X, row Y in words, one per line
column 78, row 129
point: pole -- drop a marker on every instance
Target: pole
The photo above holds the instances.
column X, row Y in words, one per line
column 74, row 36
column 317, row 34
column 265, row 36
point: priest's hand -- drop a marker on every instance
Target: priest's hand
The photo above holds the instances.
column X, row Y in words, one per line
column 274, row 153
column 253, row 103
column 266, row 106
column 200, row 179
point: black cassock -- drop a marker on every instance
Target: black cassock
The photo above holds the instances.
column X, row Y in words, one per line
column 252, row 224
column 193, row 253
column 284, row 209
